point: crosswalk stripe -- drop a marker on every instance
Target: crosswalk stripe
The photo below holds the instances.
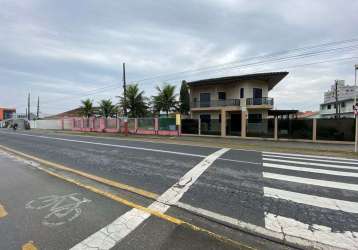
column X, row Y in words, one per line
column 311, row 170
column 322, row 183
column 312, row 200
column 312, row 156
column 323, row 234
column 112, row 234
column 309, row 159
column 311, row 163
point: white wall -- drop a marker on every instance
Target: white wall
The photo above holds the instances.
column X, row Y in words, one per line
column 46, row 124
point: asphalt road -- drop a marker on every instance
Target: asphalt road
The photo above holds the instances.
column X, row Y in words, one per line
column 298, row 199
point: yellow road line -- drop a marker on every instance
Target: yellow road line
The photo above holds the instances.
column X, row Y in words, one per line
column 128, row 203
column 29, row 246
column 3, row 212
column 108, row 182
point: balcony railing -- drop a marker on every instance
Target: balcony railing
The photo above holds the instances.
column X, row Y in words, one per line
column 259, row 101
column 216, row 103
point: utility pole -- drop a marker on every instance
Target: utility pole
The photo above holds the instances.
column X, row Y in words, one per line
column 124, row 91
column 38, row 108
column 28, row 107
column 336, row 95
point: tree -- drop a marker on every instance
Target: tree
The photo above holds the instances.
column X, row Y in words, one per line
column 165, row 100
column 184, row 98
column 87, row 108
column 135, row 102
column 107, row 109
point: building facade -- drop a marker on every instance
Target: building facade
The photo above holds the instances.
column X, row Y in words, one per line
column 229, row 101
column 345, row 94
column 6, row 113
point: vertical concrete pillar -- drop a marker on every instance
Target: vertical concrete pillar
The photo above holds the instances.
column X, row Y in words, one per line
column 63, row 123
column 223, row 122
column 276, row 129
column 156, row 125
column 244, row 114
column 314, row 130
column 199, row 126
column 135, row 125
column 102, row 124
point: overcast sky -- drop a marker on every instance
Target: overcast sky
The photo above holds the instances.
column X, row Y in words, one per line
column 63, row 50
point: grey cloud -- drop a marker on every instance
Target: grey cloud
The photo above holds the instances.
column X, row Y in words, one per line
column 57, row 49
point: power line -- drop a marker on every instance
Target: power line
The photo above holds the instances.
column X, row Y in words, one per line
column 272, row 60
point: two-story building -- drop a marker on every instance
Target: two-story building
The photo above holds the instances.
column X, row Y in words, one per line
column 228, row 102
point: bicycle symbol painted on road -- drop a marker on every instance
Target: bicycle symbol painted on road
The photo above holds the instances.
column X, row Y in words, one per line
column 63, row 208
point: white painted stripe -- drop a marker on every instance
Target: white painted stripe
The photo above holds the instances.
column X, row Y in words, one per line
column 108, row 145
column 293, row 228
column 311, row 170
column 315, row 182
column 313, row 156
column 109, row 236
column 312, row 200
column 310, row 163
column 309, row 159
column 271, row 229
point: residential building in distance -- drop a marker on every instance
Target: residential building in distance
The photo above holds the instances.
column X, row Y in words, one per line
column 345, row 94
column 6, row 113
column 225, row 101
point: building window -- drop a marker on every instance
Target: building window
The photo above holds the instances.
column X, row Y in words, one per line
column 343, row 104
column 241, row 92
column 329, row 106
column 221, row 95
column 255, row 118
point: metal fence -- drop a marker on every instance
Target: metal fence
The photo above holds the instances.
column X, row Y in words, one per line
column 167, row 124
column 190, row 126
column 295, row 128
column 342, row 129
column 260, row 128
column 210, row 127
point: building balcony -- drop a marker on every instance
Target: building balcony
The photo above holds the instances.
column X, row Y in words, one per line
column 264, row 101
column 215, row 103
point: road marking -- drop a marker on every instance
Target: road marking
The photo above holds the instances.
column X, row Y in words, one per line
column 89, row 176
column 109, row 236
column 121, row 200
column 62, row 208
column 311, row 164
column 315, row 182
column 132, row 147
column 247, row 227
column 29, row 246
column 111, row 145
column 3, row 212
column 312, row 156
column 318, row 201
column 309, row 159
column 311, row 170
column 163, row 216
column 316, row 233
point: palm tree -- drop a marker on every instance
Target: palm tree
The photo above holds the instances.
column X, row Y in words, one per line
column 165, row 100
column 136, row 102
column 87, row 108
column 107, row 109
